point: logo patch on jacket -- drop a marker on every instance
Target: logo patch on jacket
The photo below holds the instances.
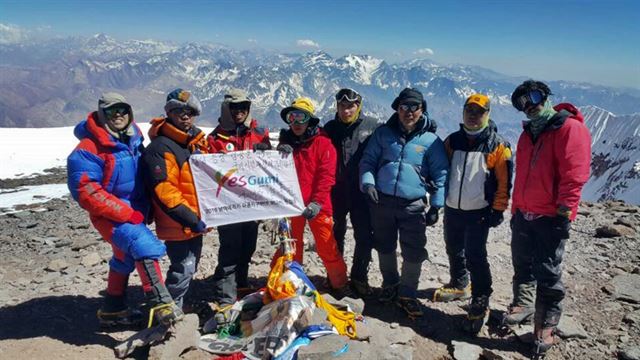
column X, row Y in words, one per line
column 230, row 147
column 419, row 149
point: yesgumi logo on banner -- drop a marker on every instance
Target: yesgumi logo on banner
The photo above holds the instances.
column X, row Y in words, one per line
column 245, row 185
column 222, row 179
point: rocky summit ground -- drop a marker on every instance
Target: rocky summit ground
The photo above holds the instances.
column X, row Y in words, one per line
column 53, row 268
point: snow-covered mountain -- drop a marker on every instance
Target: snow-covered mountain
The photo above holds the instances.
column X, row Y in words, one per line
column 615, row 165
column 56, row 82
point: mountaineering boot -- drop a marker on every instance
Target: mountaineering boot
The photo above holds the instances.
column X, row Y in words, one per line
column 517, row 315
column 389, row 293
column 115, row 312
column 411, row 306
column 165, row 314
column 450, row 293
column 544, row 340
column 222, row 314
column 477, row 315
column 361, row 288
column 162, row 307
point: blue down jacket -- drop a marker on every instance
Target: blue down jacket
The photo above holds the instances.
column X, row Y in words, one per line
column 406, row 165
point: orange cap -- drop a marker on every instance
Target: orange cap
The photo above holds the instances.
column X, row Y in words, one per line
column 480, row 100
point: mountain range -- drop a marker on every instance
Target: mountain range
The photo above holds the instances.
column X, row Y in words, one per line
column 56, row 82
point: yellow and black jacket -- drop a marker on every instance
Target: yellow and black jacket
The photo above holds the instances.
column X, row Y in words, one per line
column 481, row 170
column 168, row 175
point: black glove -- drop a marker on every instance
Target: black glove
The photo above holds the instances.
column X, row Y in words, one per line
column 560, row 226
column 311, row 210
column 261, row 147
column 200, row 227
column 285, row 148
column 371, row 191
column 432, row 216
column 493, row 218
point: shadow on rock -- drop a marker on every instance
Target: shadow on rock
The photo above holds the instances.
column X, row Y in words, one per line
column 68, row 318
column 441, row 327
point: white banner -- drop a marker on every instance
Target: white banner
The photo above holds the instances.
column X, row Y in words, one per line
column 245, row 185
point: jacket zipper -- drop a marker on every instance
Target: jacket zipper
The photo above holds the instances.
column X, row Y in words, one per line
column 532, row 162
column 395, row 189
column 464, row 170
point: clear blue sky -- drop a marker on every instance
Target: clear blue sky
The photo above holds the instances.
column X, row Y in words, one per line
column 594, row 41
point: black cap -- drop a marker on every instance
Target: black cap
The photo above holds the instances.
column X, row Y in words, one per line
column 409, row 96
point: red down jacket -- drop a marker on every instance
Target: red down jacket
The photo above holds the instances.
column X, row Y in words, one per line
column 552, row 171
column 315, row 160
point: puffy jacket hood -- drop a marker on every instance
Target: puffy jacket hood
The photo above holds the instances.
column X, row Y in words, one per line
column 225, row 119
column 90, row 128
column 160, row 126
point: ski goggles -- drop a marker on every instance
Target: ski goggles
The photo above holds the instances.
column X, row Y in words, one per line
column 529, row 99
column 349, row 95
column 297, row 117
column 113, row 110
column 409, row 107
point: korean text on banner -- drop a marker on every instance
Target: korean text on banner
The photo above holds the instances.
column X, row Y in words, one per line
column 245, row 185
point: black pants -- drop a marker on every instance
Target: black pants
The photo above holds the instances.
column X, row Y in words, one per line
column 399, row 220
column 353, row 203
column 536, row 252
column 237, row 245
column 465, row 236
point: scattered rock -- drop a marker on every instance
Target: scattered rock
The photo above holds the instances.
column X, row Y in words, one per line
column 627, row 287
column 91, row 259
column 20, row 215
column 184, row 335
column 81, row 244
column 609, row 231
column 630, row 353
column 632, row 318
column 28, row 225
column 570, row 328
column 356, row 305
column 625, row 222
column 63, row 243
column 465, row 351
column 322, row 347
column 56, row 265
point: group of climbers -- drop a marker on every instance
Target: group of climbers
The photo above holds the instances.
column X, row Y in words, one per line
column 392, row 179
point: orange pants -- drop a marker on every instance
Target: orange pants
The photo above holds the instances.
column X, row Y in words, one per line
column 326, row 247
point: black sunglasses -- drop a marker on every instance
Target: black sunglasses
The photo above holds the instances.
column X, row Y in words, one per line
column 112, row 111
column 184, row 111
column 475, row 111
column 242, row 106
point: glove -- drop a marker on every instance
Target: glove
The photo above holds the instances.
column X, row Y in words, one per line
column 261, row 147
column 432, row 216
column 493, row 218
column 560, row 226
column 311, row 210
column 136, row 217
column 371, row 191
column 285, row 148
column 199, row 228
